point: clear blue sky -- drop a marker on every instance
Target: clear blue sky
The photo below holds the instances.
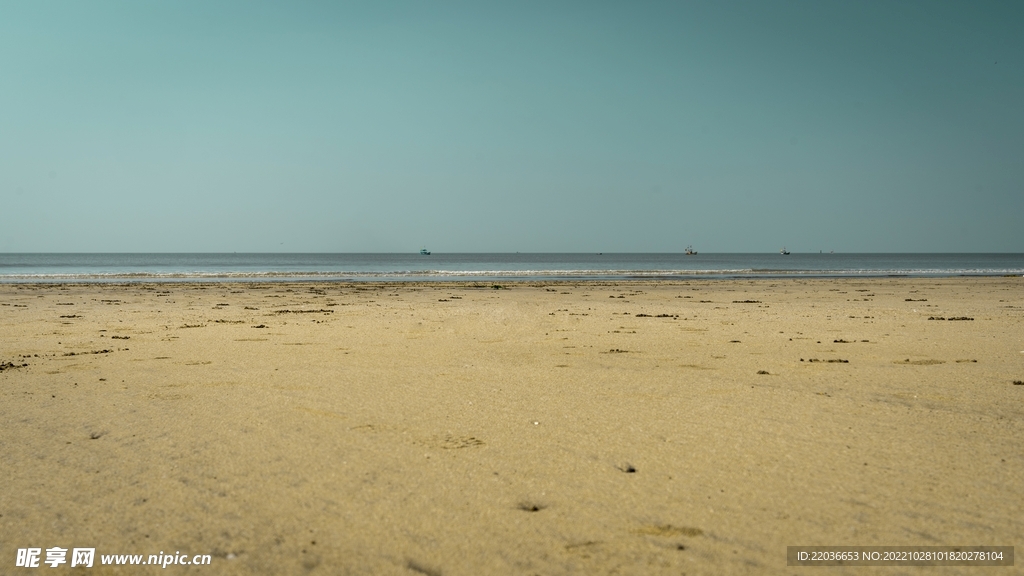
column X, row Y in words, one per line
column 511, row 126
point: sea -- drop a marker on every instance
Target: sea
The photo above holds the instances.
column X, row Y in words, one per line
column 241, row 267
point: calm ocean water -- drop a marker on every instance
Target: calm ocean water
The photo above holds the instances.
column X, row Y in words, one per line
column 399, row 267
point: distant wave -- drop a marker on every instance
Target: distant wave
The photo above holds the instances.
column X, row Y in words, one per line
column 272, row 275
column 203, row 275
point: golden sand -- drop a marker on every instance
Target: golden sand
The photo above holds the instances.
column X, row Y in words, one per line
column 541, row 428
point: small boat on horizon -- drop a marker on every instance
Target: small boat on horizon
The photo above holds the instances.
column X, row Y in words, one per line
column 784, row 252
column 690, row 251
column 424, row 252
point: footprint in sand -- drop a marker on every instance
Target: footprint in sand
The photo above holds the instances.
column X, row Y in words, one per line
column 927, row 362
column 669, row 530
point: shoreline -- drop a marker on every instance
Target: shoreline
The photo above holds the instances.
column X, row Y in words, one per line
column 400, row 278
column 491, row 267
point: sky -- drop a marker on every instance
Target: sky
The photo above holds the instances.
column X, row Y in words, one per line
column 854, row 126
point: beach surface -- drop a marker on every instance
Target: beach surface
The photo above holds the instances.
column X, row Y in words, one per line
column 693, row 427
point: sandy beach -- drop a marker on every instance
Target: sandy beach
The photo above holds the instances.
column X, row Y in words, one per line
column 523, row 428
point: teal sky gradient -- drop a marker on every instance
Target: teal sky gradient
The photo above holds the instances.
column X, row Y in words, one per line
column 515, row 126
